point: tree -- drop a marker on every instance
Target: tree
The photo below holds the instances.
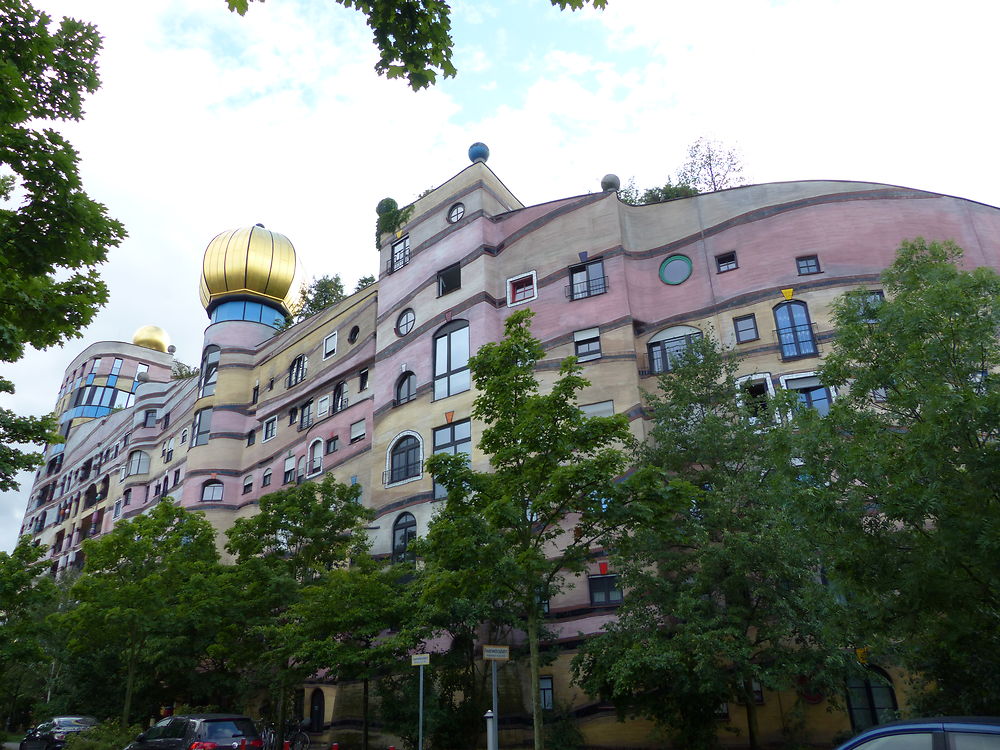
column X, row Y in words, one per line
column 413, row 37
column 147, row 591
column 909, row 460
column 53, row 238
column 630, row 193
column 722, row 576
column 364, row 282
column 318, row 295
column 711, row 166
column 551, row 491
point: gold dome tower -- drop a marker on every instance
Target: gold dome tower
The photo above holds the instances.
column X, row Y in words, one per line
column 151, row 337
column 253, row 265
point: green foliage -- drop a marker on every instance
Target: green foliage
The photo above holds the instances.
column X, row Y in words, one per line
column 908, row 459
column 630, row 193
column 53, row 238
column 390, row 218
column 501, row 542
column 413, row 37
column 107, row 735
column 562, row 732
column 317, row 296
column 722, row 574
column 364, row 282
column 181, row 371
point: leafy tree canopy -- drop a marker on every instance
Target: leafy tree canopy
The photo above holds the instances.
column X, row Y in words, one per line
column 52, row 233
column 318, row 295
column 364, row 282
column 413, row 37
column 634, row 197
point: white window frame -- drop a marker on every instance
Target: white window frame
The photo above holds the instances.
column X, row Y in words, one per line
column 273, row 422
column 755, row 377
column 792, row 376
column 356, row 437
column 314, row 467
column 586, row 335
column 327, row 351
column 534, row 288
column 388, row 459
column 322, row 406
column 598, row 409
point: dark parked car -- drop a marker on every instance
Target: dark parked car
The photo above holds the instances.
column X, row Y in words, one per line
column 52, row 734
column 200, row 732
column 944, row 733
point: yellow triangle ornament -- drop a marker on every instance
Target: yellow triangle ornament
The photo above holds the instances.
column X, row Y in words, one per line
column 787, row 293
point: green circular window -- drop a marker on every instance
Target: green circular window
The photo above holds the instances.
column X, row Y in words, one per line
column 675, row 269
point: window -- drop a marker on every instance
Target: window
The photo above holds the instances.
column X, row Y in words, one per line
column 587, row 344
column 202, row 427
column 138, row 463
column 331, row 444
column 270, row 429
column 725, row 262
column 807, row 264
column 340, row 397
column 675, row 270
column 358, row 431
column 405, row 322
column 794, row 329
column 166, row 420
column 127, row 497
column 449, row 279
column 587, row 280
column 363, row 380
column 521, row 289
column 330, row 345
column 353, row 335
column 209, row 370
column 400, row 255
column 116, row 366
column 667, row 346
column 247, row 485
column 404, row 460
column 211, row 491
column 546, row 694
column 403, row 530
column 315, row 457
column 600, row 409
column 255, row 394
column 297, row 370
column 452, row 439
column 756, row 395
column 604, row 590
column 746, row 328
column 868, row 304
column 177, row 477
column 168, row 455
column 871, row 701
column 455, row 213
column 149, row 418
column 289, row 475
column 451, row 359
column 265, row 479
column 812, row 394
column 306, row 415
column 406, row 388
column 251, row 437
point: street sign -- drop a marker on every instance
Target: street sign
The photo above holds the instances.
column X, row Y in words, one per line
column 496, row 653
column 420, row 660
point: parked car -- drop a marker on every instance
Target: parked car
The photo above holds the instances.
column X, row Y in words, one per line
column 941, row 733
column 200, row 732
column 52, row 734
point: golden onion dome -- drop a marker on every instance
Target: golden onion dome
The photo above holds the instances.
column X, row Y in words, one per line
column 254, row 262
column 151, row 337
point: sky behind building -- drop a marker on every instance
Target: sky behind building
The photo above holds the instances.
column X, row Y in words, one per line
column 207, row 121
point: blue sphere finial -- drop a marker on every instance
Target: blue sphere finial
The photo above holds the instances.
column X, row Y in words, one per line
column 479, row 152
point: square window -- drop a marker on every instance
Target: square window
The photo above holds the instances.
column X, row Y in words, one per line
column 604, row 591
column 726, row 262
column 746, row 328
column 330, row 345
column 811, row 392
column 807, row 264
column 270, row 429
column 331, row 444
column 521, row 289
column 587, row 280
column 587, row 344
column 449, row 279
column 358, row 431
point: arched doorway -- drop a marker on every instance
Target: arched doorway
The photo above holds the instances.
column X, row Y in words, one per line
column 317, row 708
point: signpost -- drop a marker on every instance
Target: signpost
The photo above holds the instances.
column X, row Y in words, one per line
column 420, row 660
column 494, row 654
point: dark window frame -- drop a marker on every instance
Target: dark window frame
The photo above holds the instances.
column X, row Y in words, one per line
column 725, row 262
column 807, row 265
column 453, row 373
column 404, row 530
column 795, row 339
column 406, row 388
column 587, row 280
column 741, row 337
column 606, row 586
column 449, row 279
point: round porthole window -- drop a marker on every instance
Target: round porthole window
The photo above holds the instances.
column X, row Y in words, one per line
column 405, row 321
column 675, row 270
column 456, row 212
column 353, row 335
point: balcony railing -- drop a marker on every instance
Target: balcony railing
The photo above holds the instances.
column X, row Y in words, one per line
column 797, row 341
column 400, row 473
column 588, row 288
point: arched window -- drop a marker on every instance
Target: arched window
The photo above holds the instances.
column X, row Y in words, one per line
column 871, row 701
column 316, row 457
column 403, row 531
column 297, row 370
column 265, row 479
column 794, row 329
column 209, row 370
column 406, row 388
column 666, row 347
column 211, row 491
column 138, row 463
column 451, row 359
column 404, row 459
column 340, row 397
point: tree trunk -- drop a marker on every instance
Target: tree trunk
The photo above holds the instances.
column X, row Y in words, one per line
column 536, row 697
column 751, row 708
column 133, row 658
column 279, row 729
column 364, row 714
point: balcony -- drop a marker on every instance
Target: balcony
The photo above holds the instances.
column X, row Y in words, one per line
column 401, row 473
column 589, row 288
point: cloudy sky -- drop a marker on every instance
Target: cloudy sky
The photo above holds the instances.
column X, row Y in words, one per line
column 207, row 121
